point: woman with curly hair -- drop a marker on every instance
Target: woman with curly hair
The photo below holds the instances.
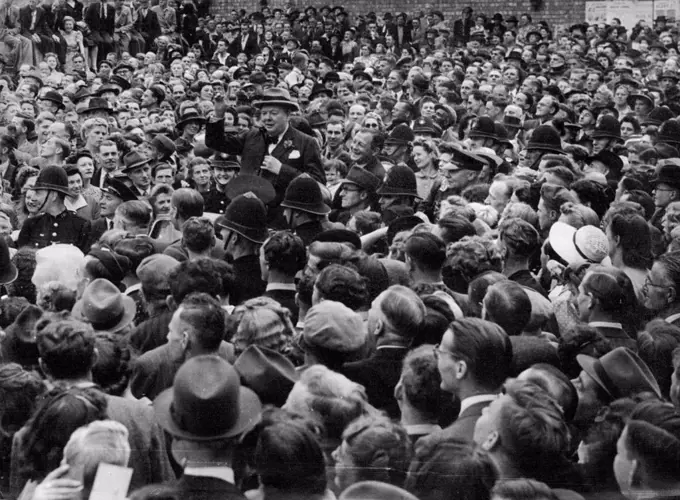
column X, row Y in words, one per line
column 19, row 390
column 265, row 323
column 112, row 369
column 25, row 201
column 37, row 448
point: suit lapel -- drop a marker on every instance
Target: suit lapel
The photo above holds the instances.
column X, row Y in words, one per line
column 280, row 148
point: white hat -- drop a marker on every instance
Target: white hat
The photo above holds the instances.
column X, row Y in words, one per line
column 587, row 244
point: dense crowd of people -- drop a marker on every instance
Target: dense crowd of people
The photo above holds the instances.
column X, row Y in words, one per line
column 302, row 253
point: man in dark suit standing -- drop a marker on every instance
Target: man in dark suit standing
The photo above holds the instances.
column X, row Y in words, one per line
column 246, row 42
column 395, row 317
column 276, row 151
column 474, row 360
column 206, row 412
column 147, row 25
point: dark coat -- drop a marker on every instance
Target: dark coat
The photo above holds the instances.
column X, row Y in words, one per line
column 194, row 488
column 298, row 153
column 250, row 48
column 42, row 27
column 45, row 229
column 379, row 374
column 248, row 275
column 462, row 429
column 151, row 333
column 148, row 26
column 92, row 17
column 154, row 371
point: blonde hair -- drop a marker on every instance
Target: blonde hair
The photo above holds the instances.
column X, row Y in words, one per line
column 263, row 322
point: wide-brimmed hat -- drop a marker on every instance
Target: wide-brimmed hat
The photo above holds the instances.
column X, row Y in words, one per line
column 55, row 97
column 246, row 215
column 464, row 160
column 52, row 178
column 276, row 97
column 96, row 104
column 362, row 178
column 267, row 372
column 105, row 307
column 639, row 95
column 119, row 189
column 207, row 402
column 247, row 183
column 667, row 173
column 190, row 116
column 134, row 160
column 304, row 194
column 621, row 373
column 586, row 244
column 399, row 181
column 8, row 271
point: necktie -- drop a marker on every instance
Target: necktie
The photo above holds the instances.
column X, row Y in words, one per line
column 271, row 139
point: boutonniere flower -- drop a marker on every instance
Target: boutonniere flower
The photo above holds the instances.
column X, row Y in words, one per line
column 287, row 144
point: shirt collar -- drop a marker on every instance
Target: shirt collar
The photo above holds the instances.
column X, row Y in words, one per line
column 606, row 324
column 79, row 202
column 220, row 472
column 473, row 400
column 281, row 286
column 672, row 318
column 420, row 429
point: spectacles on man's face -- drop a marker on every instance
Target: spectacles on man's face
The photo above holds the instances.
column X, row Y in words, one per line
column 438, row 351
column 649, row 283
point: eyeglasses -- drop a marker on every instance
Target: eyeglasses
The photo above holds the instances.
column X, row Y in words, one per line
column 438, row 351
column 663, row 189
column 371, row 125
column 649, row 283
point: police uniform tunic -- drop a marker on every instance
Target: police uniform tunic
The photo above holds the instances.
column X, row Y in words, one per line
column 46, row 229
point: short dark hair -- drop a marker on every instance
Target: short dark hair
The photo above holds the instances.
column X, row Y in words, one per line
column 508, row 305
column 342, row 284
column 486, row 348
column 66, row 347
column 207, row 318
column 656, row 344
column 454, row 227
column 188, row 202
column 285, row 252
column 198, row 234
column 194, row 276
column 137, row 212
column 421, row 381
column 427, row 250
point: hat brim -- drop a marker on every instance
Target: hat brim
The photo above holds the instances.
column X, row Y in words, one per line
column 129, row 313
column 321, row 209
column 136, row 165
column 587, row 364
column 275, row 102
column 60, row 104
column 51, row 187
column 249, row 415
column 605, row 135
column 92, row 110
column 389, row 192
column 184, row 123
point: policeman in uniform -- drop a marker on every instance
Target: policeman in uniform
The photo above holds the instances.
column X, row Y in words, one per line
column 55, row 224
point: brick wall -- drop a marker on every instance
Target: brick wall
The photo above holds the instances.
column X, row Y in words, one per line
column 556, row 12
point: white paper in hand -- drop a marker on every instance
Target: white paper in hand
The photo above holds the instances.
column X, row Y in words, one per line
column 111, row 482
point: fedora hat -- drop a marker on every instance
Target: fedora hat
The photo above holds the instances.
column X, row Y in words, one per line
column 134, row 160
column 268, row 373
column 119, row 82
column 621, row 373
column 207, row 402
column 107, row 87
column 8, row 271
column 247, row 183
column 639, row 95
column 119, row 189
column 54, row 97
column 276, row 97
column 104, row 306
column 96, row 104
column 52, row 178
column 246, row 215
column 304, row 194
column 362, row 178
column 190, row 115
